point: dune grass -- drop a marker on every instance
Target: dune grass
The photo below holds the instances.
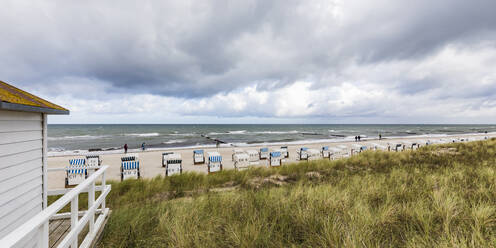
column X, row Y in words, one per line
column 438, row 196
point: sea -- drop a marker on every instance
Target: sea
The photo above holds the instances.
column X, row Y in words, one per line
column 77, row 139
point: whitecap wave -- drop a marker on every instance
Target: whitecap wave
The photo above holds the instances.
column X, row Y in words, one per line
column 173, row 141
column 237, row 132
column 78, row 137
column 277, row 132
column 142, row 134
column 183, row 134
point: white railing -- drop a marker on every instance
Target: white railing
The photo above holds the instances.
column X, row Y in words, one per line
column 39, row 223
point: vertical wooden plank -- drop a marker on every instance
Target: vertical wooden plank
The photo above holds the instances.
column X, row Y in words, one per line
column 74, row 218
column 44, row 159
column 91, row 202
column 45, row 231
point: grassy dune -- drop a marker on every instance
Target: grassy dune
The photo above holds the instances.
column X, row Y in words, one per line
column 439, row 196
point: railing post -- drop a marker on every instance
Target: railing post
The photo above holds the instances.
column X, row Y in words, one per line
column 103, row 188
column 91, row 201
column 74, row 217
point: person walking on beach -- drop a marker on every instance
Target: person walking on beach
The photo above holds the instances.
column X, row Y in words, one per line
column 356, row 138
column 143, row 146
column 125, row 148
column 380, row 136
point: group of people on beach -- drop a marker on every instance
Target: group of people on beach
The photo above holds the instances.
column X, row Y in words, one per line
column 358, row 138
column 142, row 147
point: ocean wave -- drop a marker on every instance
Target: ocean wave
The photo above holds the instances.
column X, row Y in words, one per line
column 174, row 141
column 183, row 134
column 237, row 132
column 142, row 134
column 80, row 137
column 215, row 133
column 277, row 132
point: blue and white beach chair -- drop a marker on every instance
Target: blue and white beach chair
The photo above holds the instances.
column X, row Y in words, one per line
column 275, row 159
column 302, row 153
column 214, row 162
column 326, row 153
column 130, row 170
column 198, row 157
column 76, row 172
column 264, row 153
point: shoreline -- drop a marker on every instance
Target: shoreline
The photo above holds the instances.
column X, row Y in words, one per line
column 151, row 160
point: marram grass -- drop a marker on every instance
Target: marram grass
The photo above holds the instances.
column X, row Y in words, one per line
column 439, row 196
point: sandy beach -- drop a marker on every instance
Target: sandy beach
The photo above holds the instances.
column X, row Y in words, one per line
column 151, row 161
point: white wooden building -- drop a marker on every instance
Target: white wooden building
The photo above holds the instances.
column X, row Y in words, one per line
column 23, row 168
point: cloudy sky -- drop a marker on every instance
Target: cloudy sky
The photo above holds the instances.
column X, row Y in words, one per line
column 342, row 61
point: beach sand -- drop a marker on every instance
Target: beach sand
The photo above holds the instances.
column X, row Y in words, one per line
column 151, row 161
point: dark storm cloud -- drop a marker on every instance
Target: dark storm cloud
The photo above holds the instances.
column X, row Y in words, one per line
column 195, row 49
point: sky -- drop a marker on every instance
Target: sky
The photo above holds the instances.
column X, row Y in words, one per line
column 334, row 61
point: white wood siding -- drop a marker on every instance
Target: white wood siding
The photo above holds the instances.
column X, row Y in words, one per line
column 21, row 168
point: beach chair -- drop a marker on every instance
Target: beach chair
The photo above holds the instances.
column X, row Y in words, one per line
column 302, row 153
column 378, row 147
column 198, row 157
column 336, row 153
column 214, row 162
column 326, row 153
column 241, row 161
column 254, row 157
column 314, row 154
column 130, row 170
column 237, row 151
column 275, row 159
column 285, row 151
column 76, row 172
column 264, row 153
column 129, row 157
column 165, row 156
column 93, row 160
column 173, row 164
column 130, row 167
column 398, row 147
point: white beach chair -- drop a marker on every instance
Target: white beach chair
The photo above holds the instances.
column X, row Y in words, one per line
column 237, row 151
column 313, row 154
column 165, row 157
column 93, row 162
column 241, row 161
column 376, row 147
column 173, row 164
column 254, row 157
column 214, row 162
column 275, row 159
column 264, row 153
column 285, row 151
column 198, row 157
column 336, row 153
column 76, row 172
